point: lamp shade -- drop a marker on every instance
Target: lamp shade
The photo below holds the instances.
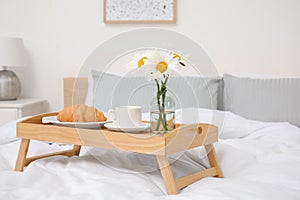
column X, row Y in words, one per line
column 12, row 53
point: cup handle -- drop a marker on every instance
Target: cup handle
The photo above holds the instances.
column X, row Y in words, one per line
column 111, row 115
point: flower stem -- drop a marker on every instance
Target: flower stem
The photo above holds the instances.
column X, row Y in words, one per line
column 161, row 93
column 158, row 104
column 164, row 92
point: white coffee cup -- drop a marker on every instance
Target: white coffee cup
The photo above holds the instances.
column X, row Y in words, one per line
column 126, row 116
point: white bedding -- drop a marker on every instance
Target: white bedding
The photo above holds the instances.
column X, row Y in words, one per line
column 259, row 161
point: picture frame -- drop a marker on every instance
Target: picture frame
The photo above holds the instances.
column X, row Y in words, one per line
column 139, row 11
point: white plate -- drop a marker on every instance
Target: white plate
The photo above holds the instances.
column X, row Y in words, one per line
column 136, row 129
column 90, row 125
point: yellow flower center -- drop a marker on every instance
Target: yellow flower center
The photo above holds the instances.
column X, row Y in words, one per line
column 177, row 56
column 161, row 67
column 141, row 62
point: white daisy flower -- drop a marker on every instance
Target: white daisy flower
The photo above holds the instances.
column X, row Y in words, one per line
column 155, row 63
column 139, row 59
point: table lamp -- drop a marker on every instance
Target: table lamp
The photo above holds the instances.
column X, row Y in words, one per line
column 12, row 54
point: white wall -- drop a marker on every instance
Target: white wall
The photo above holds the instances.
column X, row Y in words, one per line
column 241, row 36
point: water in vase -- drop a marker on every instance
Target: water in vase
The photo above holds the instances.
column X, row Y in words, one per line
column 162, row 122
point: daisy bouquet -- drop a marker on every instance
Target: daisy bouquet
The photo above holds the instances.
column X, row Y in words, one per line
column 159, row 64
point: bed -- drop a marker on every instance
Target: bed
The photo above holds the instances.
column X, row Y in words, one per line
column 258, row 150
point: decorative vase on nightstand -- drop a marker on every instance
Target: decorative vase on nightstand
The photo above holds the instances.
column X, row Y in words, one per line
column 10, row 85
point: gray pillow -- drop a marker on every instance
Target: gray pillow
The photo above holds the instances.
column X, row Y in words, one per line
column 271, row 100
column 109, row 91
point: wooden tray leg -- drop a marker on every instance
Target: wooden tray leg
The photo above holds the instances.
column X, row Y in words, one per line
column 167, row 174
column 21, row 160
column 213, row 160
column 76, row 149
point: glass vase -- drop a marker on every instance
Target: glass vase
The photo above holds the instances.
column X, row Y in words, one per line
column 162, row 115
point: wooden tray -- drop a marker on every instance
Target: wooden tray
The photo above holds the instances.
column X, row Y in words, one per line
column 182, row 138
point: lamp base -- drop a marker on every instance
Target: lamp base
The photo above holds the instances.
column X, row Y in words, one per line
column 10, row 85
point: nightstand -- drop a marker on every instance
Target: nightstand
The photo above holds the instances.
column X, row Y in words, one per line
column 12, row 110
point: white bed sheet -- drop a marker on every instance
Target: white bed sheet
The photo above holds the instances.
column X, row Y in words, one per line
column 259, row 161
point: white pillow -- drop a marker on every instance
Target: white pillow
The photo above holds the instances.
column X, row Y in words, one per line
column 269, row 100
column 107, row 91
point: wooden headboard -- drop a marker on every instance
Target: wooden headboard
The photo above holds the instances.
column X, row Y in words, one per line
column 75, row 90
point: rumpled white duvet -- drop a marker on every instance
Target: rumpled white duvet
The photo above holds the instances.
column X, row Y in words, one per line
column 259, row 161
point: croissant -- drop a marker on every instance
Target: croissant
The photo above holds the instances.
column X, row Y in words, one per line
column 80, row 113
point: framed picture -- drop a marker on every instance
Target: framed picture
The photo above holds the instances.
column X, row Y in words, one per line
column 139, row 11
